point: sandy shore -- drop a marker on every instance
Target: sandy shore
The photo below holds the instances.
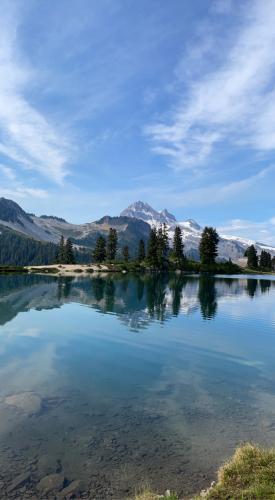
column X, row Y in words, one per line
column 73, row 269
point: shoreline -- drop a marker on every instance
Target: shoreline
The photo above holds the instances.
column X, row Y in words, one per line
column 88, row 269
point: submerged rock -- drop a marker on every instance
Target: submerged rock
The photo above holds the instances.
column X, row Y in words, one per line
column 28, row 402
column 72, row 490
column 18, row 482
column 51, row 482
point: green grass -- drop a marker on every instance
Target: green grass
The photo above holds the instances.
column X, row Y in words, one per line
column 248, row 475
column 146, row 494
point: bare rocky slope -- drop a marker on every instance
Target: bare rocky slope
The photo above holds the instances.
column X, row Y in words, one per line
column 133, row 224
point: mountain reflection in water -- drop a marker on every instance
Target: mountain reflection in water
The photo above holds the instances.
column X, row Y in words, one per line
column 110, row 381
column 136, row 300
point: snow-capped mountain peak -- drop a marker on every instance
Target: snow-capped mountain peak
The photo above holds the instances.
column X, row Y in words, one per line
column 168, row 216
column 145, row 212
column 230, row 247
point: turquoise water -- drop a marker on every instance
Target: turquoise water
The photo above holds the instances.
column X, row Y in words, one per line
column 118, row 381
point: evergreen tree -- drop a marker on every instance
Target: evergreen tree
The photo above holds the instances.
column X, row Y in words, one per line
column 141, row 251
column 252, row 257
column 209, row 246
column 99, row 253
column 112, row 244
column 61, row 255
column 152, row 248
column 178, row 245
column 265, row 260
column 273, row 264
column 125, row 252
column 162, row 245
column 69, row 253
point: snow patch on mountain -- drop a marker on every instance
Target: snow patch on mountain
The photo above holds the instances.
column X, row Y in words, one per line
column 143, row 211
column 230, row 247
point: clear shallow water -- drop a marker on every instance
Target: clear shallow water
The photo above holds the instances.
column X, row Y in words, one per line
column 118, row 381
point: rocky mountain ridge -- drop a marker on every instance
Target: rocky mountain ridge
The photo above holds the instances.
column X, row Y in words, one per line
column 132, row 224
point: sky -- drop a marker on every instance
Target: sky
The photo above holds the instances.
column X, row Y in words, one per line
column 103, row 103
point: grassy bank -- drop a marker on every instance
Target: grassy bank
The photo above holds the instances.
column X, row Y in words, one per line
column 248, row 475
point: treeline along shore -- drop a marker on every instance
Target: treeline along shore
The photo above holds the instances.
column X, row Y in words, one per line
column 155, row 255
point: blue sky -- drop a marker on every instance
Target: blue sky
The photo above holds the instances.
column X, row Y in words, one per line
column 103, row 103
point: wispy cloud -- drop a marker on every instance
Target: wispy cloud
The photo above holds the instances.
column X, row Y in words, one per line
column 8, row 172
column 233, row 102
column 20, row 192
column 259, row 231
column 27, row 136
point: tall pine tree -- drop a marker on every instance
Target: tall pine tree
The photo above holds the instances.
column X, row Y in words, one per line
column 112, row 244
column 178, row 246
column 265, row 260
column 125, row 253
column 99, row 253
column 252, row 257
column 141, row 251
column 69, row 253
column 209, row 246
column 61, row 254
column 152, row 248
column 162, row 245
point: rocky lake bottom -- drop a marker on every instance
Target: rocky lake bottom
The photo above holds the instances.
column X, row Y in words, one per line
column 110, row 383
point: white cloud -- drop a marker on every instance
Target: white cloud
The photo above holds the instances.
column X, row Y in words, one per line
column 8, row 172
column 234, row 102
column 19, row 192
column 27, row 137
column 262, row 231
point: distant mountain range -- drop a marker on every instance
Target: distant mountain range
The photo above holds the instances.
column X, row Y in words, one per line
column 132, row 224
column 232, row 247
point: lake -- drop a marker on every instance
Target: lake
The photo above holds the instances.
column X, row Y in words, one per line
column 117, row 381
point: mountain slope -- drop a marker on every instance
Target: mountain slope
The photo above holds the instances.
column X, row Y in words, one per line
column 133, row 224
column 230, row 247
column 14, row 217
column 50, row 228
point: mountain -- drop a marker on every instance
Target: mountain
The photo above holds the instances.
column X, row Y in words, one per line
column 14, row 217
column 50, row 228
column 133, row 224
column 230, row 247
column 145, row 212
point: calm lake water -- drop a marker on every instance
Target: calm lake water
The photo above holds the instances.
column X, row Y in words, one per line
column 118, row 381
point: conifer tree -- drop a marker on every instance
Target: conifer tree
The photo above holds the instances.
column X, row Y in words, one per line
column 265, row 260
column 61, row 255
column 252, row 257
column 165, row 241
column 69, row 253
column 99, row 253
column 125, row 252
column 141, row 251
column 152, row 248
column 162, row 245
column 209, row 246
column 112, row 244
column 178, row 245
column 273, row 263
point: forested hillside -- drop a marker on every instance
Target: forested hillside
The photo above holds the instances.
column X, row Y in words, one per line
column 16, row 249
